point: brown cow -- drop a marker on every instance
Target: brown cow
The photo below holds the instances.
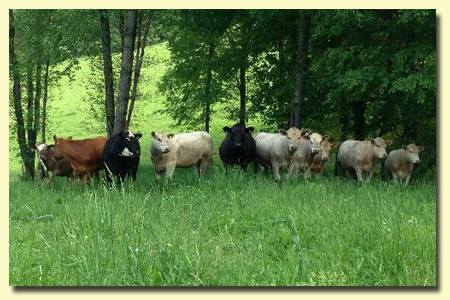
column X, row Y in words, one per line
column 55, row 167
column 84, row 156
column 320, row 158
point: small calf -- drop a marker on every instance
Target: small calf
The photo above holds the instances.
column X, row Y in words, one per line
column 400, row 163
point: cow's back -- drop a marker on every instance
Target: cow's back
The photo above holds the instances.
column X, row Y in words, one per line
column 85, row 155
column 264, row 144
column 190, row 147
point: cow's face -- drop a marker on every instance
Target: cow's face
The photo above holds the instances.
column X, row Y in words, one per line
column 413, row 153
column 325, row 148
column 160, row 142
column 45, row 152
column 238, row 133
column 129, row 144
column 379, row 147
column 315, row 140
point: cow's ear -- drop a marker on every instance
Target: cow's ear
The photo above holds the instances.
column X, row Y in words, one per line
column 249, row 129
column 373, row 141
column 40, row 146
column 388, row 142
column 138, row 135
column 305, row 132
column 54, row 137
column 282, row 131
column 325, row 138
column 153, row 133
column 227, row 129
column 170, row 135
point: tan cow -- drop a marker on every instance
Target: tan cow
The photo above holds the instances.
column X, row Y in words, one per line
column 274, row 150
column 359, row 157
column 308, row 145
column 320, row 158
column 400, row 163
column 170, row 151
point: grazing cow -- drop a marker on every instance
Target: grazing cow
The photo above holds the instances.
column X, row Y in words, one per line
column 84, row 156
column 170, row 151
column 359, row 156
column 400, row 163
column 320, row 158
column 274, row 150
column 308, row 145
column 121, row 156
column 55, row 167
column 238, row 147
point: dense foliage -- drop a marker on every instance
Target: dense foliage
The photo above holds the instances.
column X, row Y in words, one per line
column 346, row 73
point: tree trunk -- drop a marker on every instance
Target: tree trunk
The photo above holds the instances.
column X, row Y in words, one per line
column 37, row 104
column 344, row 126
column 301, row 63
column 242, row 91
column 17, row 99
column 125, row 72
column 142, row 41
column 44, row 102
column 44, row 111
column 207, row 109
column 359, row 108
column 107, row 71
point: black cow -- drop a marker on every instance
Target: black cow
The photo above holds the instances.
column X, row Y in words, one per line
column 121, row 156
column 238, row 147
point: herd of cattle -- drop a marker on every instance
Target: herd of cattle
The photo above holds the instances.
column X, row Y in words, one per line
column 295, row 150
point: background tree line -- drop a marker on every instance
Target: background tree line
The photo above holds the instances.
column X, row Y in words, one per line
column 346, row 73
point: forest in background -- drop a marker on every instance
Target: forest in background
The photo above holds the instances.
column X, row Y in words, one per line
column 345, row 73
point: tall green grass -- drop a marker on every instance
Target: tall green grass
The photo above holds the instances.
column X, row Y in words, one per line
column 225, row 229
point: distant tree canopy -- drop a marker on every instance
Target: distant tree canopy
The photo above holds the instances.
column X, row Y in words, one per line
column 346, row 73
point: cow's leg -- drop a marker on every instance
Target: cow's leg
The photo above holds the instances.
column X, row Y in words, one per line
column 276, row 170
column 359, row 175
column 394, row 177
column 407, row 179
column 170, row 169
column 204, row 163
column 307, row 174
column 293, row 169
column 157, row 175
column 369, row 178
column 134, row 173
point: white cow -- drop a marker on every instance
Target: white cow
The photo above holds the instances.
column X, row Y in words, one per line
column 274, row 150
column 170, row 151
column 359, row 156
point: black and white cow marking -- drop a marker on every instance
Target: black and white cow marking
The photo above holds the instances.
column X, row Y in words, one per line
column 121, row 156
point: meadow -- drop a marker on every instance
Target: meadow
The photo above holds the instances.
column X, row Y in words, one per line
column 225, row 229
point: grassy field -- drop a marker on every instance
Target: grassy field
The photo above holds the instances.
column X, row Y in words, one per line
column 235, row 229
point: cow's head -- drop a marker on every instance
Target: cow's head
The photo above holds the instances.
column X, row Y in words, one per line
column 160, row 142
column 379, row 147
column 237, row 134
column 44, row 152
column 413, row 151
column 292, row 146
column 129, row 144
column 325, row 148
column 315, row 140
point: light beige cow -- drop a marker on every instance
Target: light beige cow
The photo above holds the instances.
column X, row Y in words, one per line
column 359, row 157
column 274, row 150
column 308, row 145
column 400, row 163
column 170, row 151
